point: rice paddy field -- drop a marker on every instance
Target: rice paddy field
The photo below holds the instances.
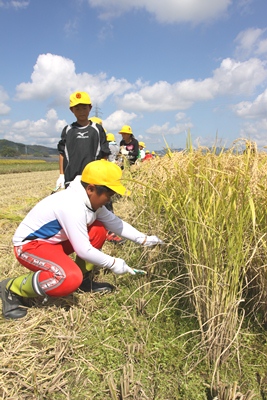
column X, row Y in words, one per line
column 193, row 328
column 9, row 166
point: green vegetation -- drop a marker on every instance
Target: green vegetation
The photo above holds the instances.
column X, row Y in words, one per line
column 13, row 149
column 192, row 328
column 18, row 166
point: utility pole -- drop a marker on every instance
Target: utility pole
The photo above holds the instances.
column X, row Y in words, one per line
column 98, row 113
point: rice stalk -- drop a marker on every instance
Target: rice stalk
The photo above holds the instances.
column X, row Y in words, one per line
column 206, row 207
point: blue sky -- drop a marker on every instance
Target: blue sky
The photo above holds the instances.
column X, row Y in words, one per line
column 163, row 67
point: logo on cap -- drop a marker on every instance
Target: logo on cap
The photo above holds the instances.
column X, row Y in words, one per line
column 78, row 95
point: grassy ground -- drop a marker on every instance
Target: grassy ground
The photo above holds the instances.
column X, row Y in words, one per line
column 135, row 343
column 12, row 166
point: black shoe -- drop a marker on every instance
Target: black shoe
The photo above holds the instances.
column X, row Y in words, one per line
column 88, row 285
column 12, row 305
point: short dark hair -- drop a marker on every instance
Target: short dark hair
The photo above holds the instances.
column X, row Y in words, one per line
column 99, row 188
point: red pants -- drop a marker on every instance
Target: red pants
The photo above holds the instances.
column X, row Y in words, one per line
column 60, row 275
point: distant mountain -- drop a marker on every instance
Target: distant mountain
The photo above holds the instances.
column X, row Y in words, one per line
column 165, row 151
column 13, row 149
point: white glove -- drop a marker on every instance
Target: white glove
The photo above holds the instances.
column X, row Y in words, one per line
column 60, row 184
column 124, row 152
column 120, row 267
column 152, row 241
column 149, row 241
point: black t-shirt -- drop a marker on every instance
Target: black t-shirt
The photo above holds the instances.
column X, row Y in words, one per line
column 81, row 145
column 133, row 148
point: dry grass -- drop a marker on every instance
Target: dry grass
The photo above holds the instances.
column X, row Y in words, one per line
column 132, row 344
column 80, row 347
column 213, row 209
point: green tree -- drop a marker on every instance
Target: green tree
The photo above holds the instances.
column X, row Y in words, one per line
column 9, row 152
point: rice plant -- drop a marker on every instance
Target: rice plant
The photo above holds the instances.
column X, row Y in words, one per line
column 208, row 207
column 153, row 336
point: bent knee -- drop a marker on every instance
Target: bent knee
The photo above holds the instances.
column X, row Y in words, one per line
column 72, row 281
column 60, row 286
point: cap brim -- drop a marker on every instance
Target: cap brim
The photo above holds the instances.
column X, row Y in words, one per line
column 120, row 189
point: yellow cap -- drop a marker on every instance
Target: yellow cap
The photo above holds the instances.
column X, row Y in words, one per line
column 147, row 151
column 152, row 152
column 96, row 120
column 126, row 129
column 110, row 137
column 104, row 173
column 79, row 98
column 142, row 144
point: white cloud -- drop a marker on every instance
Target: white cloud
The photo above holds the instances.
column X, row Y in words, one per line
column 4, row 126
column 210, row 141
column 116, row 120
column 262, row 47
column 52, row 73
column 4, row 108
column 169, row 11
column 255, row 109
column 180, row 116
column 239, row 78
column 245, row 7
column 179, row 128
column 105, row 32
column 5, row 122
column 255, row 132
column 231, row 78
column 164, row 134
column 162, row 96
column 251, row 42
column 71, row 27
column 17, row 5
column 45, row 131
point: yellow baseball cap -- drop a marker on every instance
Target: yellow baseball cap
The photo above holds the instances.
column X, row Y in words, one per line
column 110, row 137
column 142, row 144
column 79, row 98
column 96, row 120
column 126, row 129
column 104, row 173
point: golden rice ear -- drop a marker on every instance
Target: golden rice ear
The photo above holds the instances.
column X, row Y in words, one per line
column 208, row 202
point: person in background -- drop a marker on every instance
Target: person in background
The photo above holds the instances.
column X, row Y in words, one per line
column 81, row 142
column 96, row 120
column 153, row 154
column 111, row 237
column 113, row 147
column 114, row 151
column 61, row 224
column 129, row 146
column 148, row 156
column 142, row 146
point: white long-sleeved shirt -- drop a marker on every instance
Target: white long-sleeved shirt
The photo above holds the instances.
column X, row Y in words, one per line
column 65, row 215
